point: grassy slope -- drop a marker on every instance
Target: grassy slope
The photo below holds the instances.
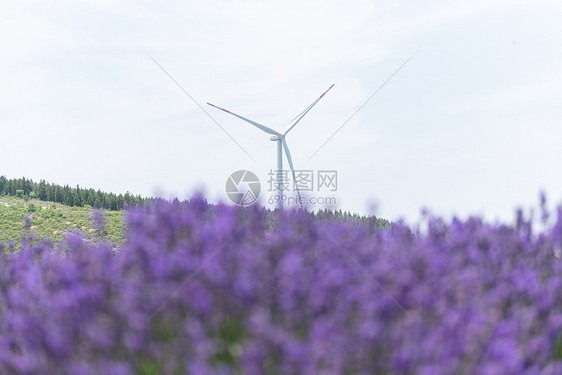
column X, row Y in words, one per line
column 54, row 220
column 50, row 220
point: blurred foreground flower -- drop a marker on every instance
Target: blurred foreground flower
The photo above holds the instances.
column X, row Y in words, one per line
column 201, row 289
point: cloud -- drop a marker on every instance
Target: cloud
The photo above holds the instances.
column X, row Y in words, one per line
column 80, row 101
column 545, row 93
column 403, row 21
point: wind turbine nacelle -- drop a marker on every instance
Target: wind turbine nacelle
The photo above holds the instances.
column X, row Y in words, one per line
column 276, row 138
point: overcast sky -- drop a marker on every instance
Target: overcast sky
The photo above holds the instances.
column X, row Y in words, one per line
column 471, row 125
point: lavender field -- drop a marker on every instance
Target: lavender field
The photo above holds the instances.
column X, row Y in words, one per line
column 201, row 289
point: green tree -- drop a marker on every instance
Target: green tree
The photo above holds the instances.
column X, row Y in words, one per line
column 3, row 183
column 42, row 191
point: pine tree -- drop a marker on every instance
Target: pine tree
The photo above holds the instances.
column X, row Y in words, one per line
column 42, row 190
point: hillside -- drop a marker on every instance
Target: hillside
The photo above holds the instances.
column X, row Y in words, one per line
column 54, row 220
column 54, row 210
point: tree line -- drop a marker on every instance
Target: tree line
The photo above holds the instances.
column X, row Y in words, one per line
column 70, row 196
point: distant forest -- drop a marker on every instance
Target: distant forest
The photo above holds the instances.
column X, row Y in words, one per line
column 70, row 196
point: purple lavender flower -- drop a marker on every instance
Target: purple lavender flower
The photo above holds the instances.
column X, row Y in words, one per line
column 27, row 222
column 197, row 288
column 98, row 220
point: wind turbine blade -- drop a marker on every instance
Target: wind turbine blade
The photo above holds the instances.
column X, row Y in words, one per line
column 290, row 160
column 297, row 116
column 259, row 126
column 362, row 105
column 301, row 115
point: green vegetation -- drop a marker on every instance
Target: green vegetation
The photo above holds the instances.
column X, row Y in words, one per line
column 54, row 220
column 55, row 210
column 73, row 197
column 376, row 223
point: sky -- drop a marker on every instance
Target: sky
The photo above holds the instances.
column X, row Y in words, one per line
column 471, row 125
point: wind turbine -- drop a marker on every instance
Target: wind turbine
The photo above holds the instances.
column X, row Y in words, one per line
column 281, row 144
